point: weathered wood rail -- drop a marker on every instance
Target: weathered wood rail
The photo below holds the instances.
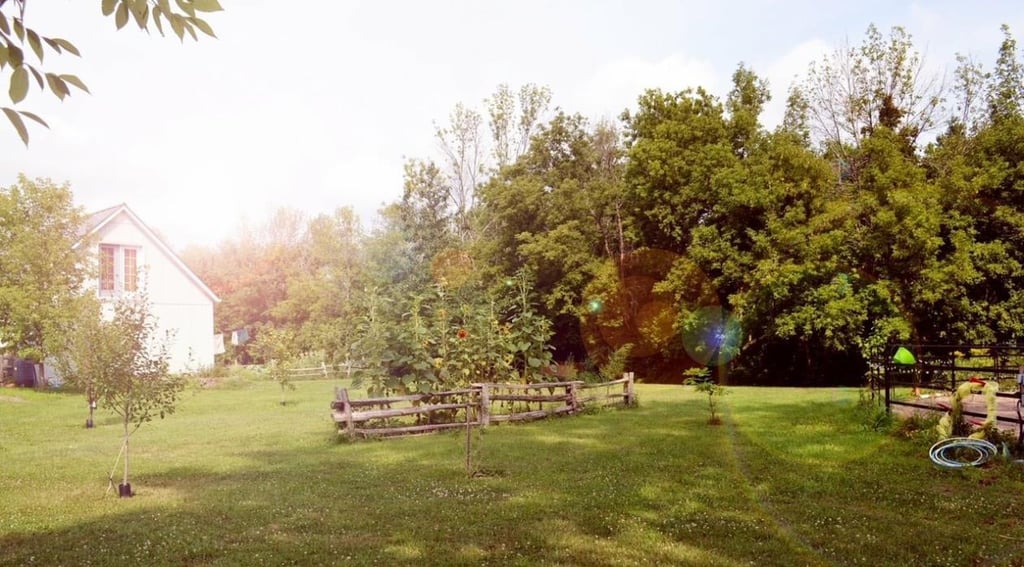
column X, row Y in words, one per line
column 480, row 405
column 324, row 370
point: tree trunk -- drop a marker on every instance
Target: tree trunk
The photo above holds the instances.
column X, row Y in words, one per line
column 89, row 423
column 125, row 489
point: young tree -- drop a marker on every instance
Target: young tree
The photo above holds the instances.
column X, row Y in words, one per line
column 17, row 40
column 41, row 268
column 277, row 349
column 123, row 363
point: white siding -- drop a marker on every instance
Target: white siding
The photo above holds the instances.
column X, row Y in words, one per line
column 179, row 305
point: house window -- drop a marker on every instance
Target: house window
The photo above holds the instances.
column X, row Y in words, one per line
column 107, row 255
column 131, row 272
column 119, row 269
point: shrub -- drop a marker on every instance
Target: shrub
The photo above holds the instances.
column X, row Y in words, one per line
column 872, row 413
column 916, row 425
column 616, row 365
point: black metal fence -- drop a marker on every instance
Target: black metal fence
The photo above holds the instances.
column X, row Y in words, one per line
column 939, row 369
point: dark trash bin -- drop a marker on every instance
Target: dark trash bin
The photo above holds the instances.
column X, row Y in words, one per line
column 25, row 374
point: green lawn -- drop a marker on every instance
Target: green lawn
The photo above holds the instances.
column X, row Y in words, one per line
column 792, row 478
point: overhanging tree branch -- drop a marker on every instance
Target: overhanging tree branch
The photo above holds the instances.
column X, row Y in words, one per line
column 19, row 42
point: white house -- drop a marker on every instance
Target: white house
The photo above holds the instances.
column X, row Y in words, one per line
column 132, row 257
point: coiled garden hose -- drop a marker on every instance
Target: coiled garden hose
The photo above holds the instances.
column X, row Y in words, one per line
column 978, row 449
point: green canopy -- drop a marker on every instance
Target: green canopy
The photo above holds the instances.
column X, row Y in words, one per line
column 903, row 356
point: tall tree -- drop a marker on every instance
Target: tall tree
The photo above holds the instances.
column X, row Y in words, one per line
column 978, row 171
column 881, row 82
column 970, row 92
column 250, row 271
column 559, row 211
column 321, row 303
column 424, row 211
column 744, row 104
column 1006, row 94
column 758, row 229
column 43, row 265
column 462, row 147
column 678, row 144
column 513, row 120
column 467, row 160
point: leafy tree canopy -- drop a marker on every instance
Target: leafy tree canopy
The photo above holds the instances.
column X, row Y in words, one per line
column 42, row 265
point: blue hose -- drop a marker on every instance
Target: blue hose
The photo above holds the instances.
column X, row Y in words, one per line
column 980, row 449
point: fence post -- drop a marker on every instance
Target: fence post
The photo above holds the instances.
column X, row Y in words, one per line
column 573, row 396
column 628, row 390
column 346, row 410
column 888, row 386
column 485, row 404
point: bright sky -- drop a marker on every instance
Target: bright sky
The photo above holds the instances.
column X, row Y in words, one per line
column 316, row 104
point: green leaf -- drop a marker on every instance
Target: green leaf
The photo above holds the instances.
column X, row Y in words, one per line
column 57, row 86
column 207, row 5
column 18, row 123
column 19, row 29
column 15, row 56
column 53, row 44
column 534, row 362
column 4, row 26
column 157, row 12
column 39, row 78
column 33, row 116
column 203, row 26
column 68, row 46
column 177, row 25
column 3, row 56
column 108, row 7
column 190, row 29
column 186, row 7
column 121, row 17
column 19, row 84
column 35, row 44
column 75, row 81
column 140, row 9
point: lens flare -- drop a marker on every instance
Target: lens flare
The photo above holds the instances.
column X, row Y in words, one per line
column 711, row 336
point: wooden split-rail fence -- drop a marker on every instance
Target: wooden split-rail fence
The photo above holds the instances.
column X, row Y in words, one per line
column 322, row 371
column 480, row 405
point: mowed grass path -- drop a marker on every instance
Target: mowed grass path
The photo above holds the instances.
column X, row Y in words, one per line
column 233, row 478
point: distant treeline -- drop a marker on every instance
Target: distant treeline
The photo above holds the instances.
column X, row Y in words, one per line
column 887, row 205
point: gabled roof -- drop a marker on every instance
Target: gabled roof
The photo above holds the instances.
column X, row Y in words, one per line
column 96, row 221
